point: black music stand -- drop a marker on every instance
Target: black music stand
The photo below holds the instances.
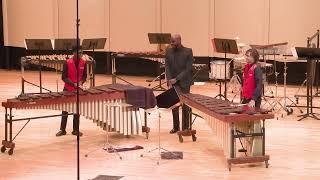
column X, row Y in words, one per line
column 64, row 44
column 160, row 39
column 38, row 45
column 311, row 54
column 166, row 100
column 225, row 46
column 93, row 44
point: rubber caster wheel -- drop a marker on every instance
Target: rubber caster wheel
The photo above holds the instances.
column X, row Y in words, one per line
column 120, row 158
column 3, row 149
column 141, row 155
column 10, row 152
column 267, row 164
column 194, row 138
column 86, row 155
column 289, row 111
column 180, row 139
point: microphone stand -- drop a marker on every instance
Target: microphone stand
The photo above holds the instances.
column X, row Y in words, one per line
column 77, row 102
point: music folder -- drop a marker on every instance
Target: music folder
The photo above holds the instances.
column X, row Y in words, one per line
column 168, row 98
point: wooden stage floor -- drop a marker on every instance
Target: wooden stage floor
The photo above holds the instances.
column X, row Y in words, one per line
column 294, row 146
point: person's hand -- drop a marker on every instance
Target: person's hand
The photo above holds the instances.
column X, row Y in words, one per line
column 74, row 84
column 252, row 104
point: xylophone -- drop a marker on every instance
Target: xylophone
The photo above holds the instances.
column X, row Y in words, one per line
column 56, row 62
column 116, row 105
column 229, row 121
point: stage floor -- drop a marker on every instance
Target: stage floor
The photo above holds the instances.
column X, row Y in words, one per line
column 293, row 146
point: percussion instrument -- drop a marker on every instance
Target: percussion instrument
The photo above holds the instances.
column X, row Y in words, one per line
column 228, row 121
column 53, row 61
column 156, row 56
column 218, row 70
column 56, row 62
column 118, row 104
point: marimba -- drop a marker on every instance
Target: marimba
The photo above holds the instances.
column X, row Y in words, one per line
column 157, row 56
column 55, row 62
column 116, row 105
column 227, row 121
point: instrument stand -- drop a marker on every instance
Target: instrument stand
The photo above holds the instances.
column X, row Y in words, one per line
column 159, row 78
column 220, row 95
column 234, row 84
column 114, row 71
column 39, row 45
column 310, row 54
column 159, row 148
column 107, row 146
column 284, row 106
column 161, row 39
column 225, row 46
column 266, row 84
column 190, row 132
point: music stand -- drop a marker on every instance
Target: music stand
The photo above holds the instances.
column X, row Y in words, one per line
column 160, row 39
column 63, row 45
column 166, row 100
column 225, row 46
column 310, row 54
column 93, row 44
column 38, row 45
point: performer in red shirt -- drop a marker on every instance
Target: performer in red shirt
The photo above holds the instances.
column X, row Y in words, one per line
column 252, row 80
column 69, row 77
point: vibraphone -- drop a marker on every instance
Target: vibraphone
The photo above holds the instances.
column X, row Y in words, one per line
column 157, row 56
column 56, row 62
column 115, row 105
column 226, row 120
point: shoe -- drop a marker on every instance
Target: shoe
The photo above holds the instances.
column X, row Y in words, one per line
column 76, row 133
column 173, row 131
column 61, row 133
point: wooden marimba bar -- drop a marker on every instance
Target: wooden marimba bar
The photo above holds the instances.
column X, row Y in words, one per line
column 228, row 122
column 105, row 104
column 56, row 62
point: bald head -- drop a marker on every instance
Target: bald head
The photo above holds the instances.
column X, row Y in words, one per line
column 176, row 41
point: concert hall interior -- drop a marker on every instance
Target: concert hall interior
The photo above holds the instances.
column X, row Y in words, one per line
column 159, row 89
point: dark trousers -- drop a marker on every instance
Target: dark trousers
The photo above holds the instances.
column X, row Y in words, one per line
column 186, row 116
column 257, row 103
column 64, row 119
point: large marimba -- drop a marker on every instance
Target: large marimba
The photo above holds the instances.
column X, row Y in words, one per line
column 55, row 62
column 118, row 106
column 229, row 122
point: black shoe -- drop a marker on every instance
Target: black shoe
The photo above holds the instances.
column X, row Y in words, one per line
column 61, row 133
column 76, row 133
column 173, row 131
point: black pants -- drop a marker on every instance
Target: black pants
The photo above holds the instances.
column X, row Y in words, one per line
column 257, row 103
column 186, row 116
column 64, row 119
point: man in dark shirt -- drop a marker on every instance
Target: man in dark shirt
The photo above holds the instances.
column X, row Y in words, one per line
column 69, row 77
column 178, row 65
